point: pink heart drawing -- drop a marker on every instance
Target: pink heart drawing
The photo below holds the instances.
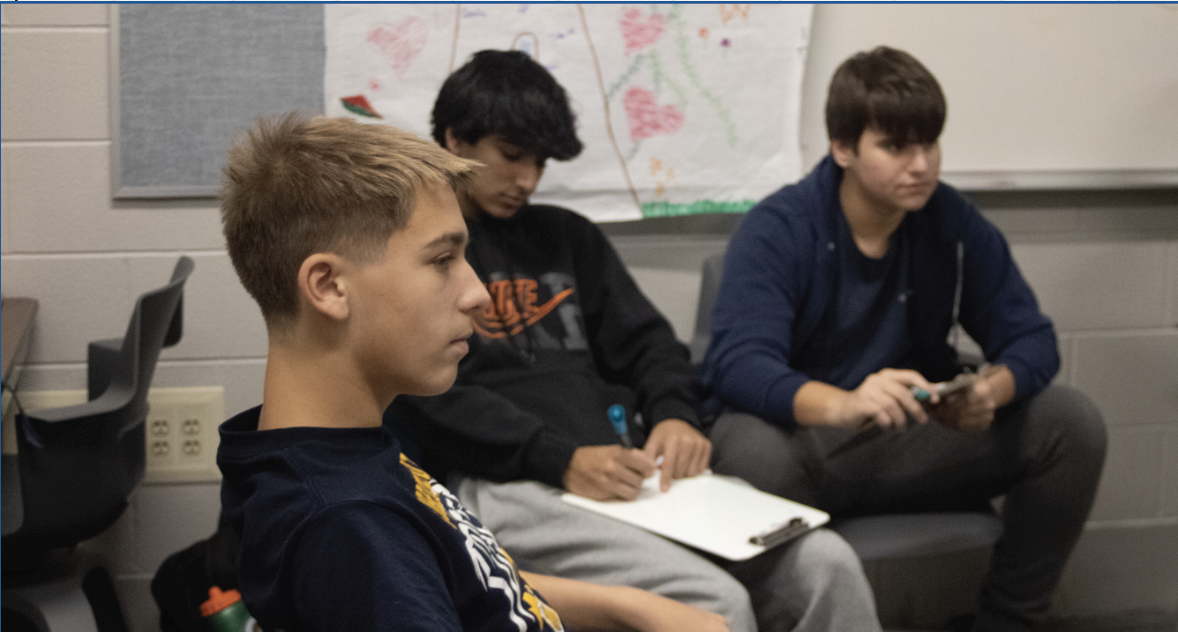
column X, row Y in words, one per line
column 638, row 33
column 400, row 43
column 647, row 118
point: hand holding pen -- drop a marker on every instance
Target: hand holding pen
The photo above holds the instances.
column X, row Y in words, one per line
column 891, row 399
column 883, row 399
column 966, row 403
column 677, row 447
column 609, row 472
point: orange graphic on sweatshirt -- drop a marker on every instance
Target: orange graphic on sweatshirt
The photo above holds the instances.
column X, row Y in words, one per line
column 513, row 307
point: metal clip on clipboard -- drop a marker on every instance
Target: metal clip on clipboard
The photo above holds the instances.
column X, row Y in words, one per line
column 782, row 534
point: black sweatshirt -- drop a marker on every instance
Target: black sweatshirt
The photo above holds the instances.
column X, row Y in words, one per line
column 566, row 335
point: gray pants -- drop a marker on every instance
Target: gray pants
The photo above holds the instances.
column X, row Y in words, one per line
column 1044, row 454
column 815, row 583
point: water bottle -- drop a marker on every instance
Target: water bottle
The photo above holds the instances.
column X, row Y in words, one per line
column 225, row 612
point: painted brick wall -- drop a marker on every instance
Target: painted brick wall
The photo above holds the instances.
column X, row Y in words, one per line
column 1106, row 272
column 86, row 259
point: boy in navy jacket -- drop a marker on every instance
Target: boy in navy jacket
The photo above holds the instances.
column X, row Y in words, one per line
column 840, row 301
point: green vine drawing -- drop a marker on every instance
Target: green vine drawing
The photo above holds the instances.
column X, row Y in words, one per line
column 689, row 68
column 660, row 77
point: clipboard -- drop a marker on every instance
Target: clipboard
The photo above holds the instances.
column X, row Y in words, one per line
column 722, row 515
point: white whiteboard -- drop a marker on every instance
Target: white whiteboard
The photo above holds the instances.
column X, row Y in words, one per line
column 1040, row 96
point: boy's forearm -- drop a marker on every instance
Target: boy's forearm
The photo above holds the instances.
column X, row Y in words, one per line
column 582, row 605
column 816, row 404
column 1002, row 382
column 587, row 606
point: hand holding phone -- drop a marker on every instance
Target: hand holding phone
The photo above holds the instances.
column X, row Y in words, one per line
column 962, row 381
column 968, row 402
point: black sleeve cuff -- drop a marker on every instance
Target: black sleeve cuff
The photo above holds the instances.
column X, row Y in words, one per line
column 674, row 409
column 547, row 458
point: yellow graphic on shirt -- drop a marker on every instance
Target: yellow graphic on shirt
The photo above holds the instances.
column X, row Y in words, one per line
column 497, row 571
column 493, row 567
column 543, row 611
column 424, row 490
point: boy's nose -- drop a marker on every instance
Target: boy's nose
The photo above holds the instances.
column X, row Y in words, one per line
column 922, row 158
column 474, row 296
column 528, row 177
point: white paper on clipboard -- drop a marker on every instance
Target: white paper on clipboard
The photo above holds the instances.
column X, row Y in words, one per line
column 714, row 513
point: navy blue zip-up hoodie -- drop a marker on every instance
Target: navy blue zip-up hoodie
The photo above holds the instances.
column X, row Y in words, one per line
column 779, row 282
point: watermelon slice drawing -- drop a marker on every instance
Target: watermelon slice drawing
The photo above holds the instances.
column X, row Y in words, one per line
column 360, row 106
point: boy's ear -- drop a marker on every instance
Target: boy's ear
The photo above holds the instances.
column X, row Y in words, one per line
column 843, row 152
column 453, row 144
column 321, row 284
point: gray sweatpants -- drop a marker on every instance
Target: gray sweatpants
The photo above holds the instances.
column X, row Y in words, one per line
column 815, row 583
column 1045, row 454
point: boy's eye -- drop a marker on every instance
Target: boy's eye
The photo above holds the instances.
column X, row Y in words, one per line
column 515, row 155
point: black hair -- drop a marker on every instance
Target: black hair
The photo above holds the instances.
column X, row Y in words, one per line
column 886, row 89
column 506, row 93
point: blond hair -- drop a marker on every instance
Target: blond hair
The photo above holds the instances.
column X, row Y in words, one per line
column 296, row 185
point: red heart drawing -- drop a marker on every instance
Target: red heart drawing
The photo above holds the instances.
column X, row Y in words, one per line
column 638, row 33
column 400, row 43
column 647, row 118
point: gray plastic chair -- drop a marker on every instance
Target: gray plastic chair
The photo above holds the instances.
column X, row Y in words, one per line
column 879, row 537
column 75, row 470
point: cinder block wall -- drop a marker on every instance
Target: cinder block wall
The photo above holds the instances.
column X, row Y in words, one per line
column 86, row 258
column 1104, row 265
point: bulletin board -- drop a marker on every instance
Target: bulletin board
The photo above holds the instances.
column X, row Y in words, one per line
column 191, row 76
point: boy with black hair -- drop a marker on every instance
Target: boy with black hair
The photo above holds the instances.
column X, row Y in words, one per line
column 566, row 335
column 350, row 238
column 840, row 301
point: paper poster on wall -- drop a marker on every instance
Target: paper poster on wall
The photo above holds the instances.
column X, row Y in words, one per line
column 682, row 108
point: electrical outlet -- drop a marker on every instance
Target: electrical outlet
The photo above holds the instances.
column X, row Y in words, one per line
column 180, row 433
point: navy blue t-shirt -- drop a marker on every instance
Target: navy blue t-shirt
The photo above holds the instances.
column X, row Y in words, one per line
column 867, row 322
column 339, row 531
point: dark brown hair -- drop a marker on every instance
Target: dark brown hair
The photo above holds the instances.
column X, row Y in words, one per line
column 888, row 90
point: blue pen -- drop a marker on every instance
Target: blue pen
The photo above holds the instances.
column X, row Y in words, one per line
column 617, row 417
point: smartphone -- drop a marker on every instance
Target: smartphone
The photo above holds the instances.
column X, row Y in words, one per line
column 961, row 382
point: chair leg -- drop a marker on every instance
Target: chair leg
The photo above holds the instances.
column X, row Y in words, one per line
column 73, row 595
column 53, row 607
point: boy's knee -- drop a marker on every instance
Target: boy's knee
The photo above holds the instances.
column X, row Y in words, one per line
column 1077, row 420
column 826, row 556
column 720, row 593
column 732, row 601
column 750, row 448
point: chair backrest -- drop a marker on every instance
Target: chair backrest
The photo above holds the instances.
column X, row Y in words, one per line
column 79, row 464
column 709, row 285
